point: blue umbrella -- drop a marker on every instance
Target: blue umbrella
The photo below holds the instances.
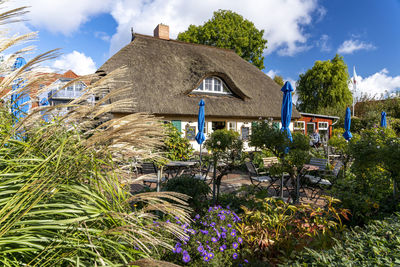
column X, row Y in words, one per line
column 200, row 125
column 347, row 121
column 286, row 115
column 383, row 119
column 19, row 105
column 286, row 112
column 44, row 102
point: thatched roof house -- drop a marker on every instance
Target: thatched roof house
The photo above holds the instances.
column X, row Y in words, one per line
column 169, row 78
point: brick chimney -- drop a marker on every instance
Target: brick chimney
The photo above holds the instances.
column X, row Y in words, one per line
column 162, row 31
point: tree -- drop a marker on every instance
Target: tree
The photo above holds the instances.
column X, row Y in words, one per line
column 279, row 80
column 324, row 87
column 230, row 30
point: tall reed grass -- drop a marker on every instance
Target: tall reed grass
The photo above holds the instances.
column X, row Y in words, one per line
column 61, row 200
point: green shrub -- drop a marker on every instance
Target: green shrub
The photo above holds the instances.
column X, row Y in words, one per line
column 274, row 228
column 175, row 146
column 378, row 244
column 195, row 188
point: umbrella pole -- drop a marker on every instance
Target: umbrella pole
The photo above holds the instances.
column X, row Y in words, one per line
column 281, row 193
column 200, row 160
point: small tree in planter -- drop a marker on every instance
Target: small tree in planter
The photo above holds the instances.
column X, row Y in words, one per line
column 293, row 154
column 226, row 148
column 175, row 146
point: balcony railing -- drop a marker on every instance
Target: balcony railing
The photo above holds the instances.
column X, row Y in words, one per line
column 64, row 94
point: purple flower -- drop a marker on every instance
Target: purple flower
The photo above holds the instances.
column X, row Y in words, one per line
column 197, row 216
column 210, row 209
column 233, row 233
column 206, row 258
column 221, row 248
column 178, row 250
column 222, row 217
column 235, row 245
column 229, row 225
column 186, row 257
column 240, row 240
column 200, row 249
column 223, row 235
column 223, row 229
column 214, row 240
column 246, row 261
column 212, row 224
column 210, row 255
column 235, row 256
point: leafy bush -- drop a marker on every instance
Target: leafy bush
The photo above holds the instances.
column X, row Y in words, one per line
column 175, row 146
column 275, row 228
column 377, row 244
column 212, row 240
column 368, row 190
column 196, row 189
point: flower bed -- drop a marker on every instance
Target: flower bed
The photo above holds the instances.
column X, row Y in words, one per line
column 212, row 239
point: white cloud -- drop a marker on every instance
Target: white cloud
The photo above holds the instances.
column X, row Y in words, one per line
column 323, row 43
column 377, row 85
column 283, row 21
column 103, row 36
column 61, row 16
column 77, row 62
column 350, row 46
column 272, row 73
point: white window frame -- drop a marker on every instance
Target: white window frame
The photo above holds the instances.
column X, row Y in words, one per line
column 234, row 125
column 217, row 86
column 299, row 128
column 323, row 127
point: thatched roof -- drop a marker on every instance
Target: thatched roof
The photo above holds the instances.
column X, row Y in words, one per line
column 163, row 74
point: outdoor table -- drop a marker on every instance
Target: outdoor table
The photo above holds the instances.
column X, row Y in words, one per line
column 175, row 168
column 306, row 169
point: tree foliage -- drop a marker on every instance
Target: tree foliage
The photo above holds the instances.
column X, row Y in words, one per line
column 227, row 29
column 324, row 86
column 175, row 146
column 279, row 80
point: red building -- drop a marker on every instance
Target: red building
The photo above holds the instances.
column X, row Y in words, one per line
column 310, row 122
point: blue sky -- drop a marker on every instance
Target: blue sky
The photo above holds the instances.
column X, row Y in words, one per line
column 299, row 32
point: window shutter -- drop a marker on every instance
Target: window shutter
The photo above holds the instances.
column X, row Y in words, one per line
column 177, row 125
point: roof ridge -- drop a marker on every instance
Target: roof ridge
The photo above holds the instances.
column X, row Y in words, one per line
column 182, row 42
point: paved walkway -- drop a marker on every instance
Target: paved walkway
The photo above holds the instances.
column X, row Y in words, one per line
column 233, row 181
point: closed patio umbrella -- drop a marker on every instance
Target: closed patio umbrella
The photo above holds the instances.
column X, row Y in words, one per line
column 383, row 119
column 347, row 121
column 19, row 106
column 286, row 111
column 200, row 125
column 286, row 115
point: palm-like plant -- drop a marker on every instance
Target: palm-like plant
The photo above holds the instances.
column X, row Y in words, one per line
column 61, row 201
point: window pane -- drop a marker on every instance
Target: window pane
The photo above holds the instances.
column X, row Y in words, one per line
column 208, row 84
column 200, row 87
column 217, row 85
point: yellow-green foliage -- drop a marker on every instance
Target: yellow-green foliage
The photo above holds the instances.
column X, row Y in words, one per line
column 274, row 227
column 175, row 146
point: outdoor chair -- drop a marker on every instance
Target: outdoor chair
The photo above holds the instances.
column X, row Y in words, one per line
column 148, row 173
column 317, row 183
column 205, row 173
column 270, row 161
column 257, row 178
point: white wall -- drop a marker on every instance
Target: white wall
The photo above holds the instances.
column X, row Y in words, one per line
column 239, row 125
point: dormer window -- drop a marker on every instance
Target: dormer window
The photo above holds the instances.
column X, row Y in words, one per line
column 213, row 85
